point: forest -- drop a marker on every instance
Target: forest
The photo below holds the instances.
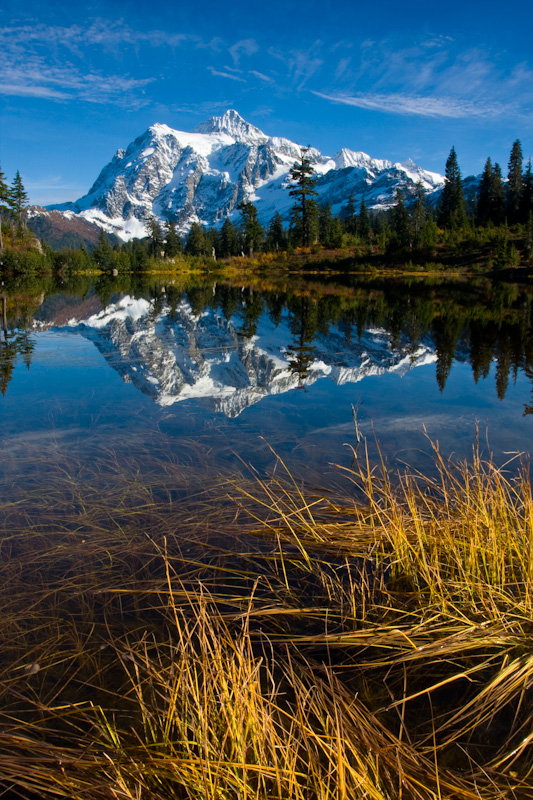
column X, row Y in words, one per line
column 488, row 227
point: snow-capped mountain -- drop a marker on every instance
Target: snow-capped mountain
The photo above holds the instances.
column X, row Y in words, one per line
column 183, row 356
column 204, row 175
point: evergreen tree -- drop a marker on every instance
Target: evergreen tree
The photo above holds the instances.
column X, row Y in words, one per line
column 401, row 223
column 157, row 239
column 483, row 215
column 4, row 200
column 363, row 222
column 197, row 243
column 349, row 216
column 514, row 183
column 213, row 242
column 276, row 238
column 173, row 243
column 452, row 212
column 251, row 227
column 229, row 242
column 139, row 256
column 325, row 221
column 103, row 253
column 18, row 200
column 526, row 196
column 419, row 212
column 497, row 196
column 303, row 183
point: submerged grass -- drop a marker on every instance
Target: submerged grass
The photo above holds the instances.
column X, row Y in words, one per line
column 270, row 643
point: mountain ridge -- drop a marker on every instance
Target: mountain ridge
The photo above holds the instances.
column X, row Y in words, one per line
column 203, row 175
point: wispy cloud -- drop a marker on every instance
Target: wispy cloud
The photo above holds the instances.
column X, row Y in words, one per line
column 244, row 47
column 418, row 105
column 35, row 78
column 47, row 62
column 431, row 78
column 261, row 76
column 301, row 65
column 221, row 74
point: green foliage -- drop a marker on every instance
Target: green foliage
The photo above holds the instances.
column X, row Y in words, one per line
column 514, row 184
column 18, row 200
column 363, row 222
column 252, row 230
column 157, row 238
column 276, row 238
column 229, row 240
column 452, row 211
column 302, row 188
column 197, row 243
column 103, row 254
column 173, row 244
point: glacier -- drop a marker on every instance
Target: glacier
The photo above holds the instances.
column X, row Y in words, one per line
column 204, row 175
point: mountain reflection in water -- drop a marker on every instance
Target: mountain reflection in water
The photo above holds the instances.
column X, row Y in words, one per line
column 191, row 361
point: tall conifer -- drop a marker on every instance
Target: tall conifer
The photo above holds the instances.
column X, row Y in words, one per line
column 303, row 183
column 484, row 193
column 497, row 196
column 18, row 200
column 4, row 200
column 514, row 183
column 452, row 212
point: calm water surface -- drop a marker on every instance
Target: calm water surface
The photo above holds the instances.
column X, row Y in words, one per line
column 213, row 374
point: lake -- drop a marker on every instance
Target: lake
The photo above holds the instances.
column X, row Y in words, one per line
column 123, row 375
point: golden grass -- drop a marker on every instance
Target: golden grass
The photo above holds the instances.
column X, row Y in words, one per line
column 258, row 641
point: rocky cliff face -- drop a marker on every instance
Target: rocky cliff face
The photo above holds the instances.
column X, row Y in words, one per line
column 204, row 175
column 182, row 356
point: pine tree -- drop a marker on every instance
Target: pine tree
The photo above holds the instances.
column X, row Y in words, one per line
column 173, row 243
column 484, row 195
column 103, row 253
column 156, row 237
column 18, row 200
column 276, row 238
column 325, row 221
column 363, row 222
column 349, row 216
column 497, row 196
column 526, row 196
column 401, row 223
column 514, row 183
column 197, row 244
column 229, row 243
column 452, row 212
column 303, row 182
column 4, row 200
column 251, row 227
column 419, row 212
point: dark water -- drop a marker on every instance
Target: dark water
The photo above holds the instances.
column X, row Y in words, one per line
column 127, row 375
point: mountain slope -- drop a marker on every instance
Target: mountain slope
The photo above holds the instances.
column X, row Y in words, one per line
column 204, row 175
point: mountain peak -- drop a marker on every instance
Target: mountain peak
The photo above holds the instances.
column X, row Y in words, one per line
column 234, row 125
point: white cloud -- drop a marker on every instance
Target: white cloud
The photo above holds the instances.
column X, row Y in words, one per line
column 244, row 47
column 418, row 105
column 220, row 74
column 261, row 76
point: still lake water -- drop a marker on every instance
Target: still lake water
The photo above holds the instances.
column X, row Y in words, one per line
column 125, row 375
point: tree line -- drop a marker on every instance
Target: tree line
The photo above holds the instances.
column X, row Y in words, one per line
column 486, row 321
column 13, row 202
column 412, row 229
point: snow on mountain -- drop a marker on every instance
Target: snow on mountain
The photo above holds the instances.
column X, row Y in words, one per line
column 204, row 175
column 183, row 356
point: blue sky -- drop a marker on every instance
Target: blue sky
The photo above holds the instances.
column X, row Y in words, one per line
column 397, row 80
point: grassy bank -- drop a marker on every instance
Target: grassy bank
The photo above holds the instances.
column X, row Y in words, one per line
column 259, row 641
